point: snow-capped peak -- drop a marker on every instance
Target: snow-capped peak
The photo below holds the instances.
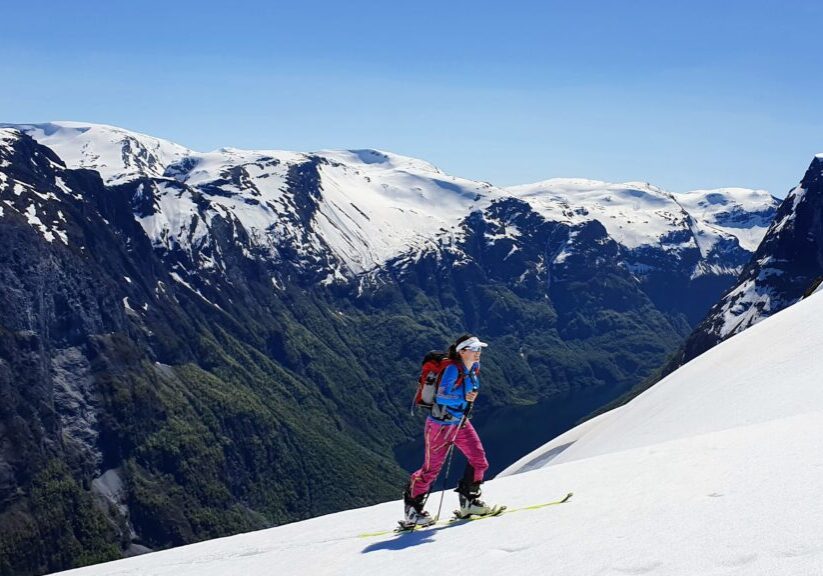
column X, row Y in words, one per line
column 387, row 160
column 638, row 213
column 785, row 265
column 740, row 212
column 367, row 206
column 119, row 155
column 8, row 135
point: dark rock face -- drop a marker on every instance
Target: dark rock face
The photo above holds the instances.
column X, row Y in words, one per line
column 788, row 261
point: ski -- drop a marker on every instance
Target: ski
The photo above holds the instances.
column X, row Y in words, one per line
column 403, row 526
column 496, row 510
column 499, row 511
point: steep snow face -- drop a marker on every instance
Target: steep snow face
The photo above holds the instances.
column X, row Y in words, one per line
column 363, row 206
column 377, row 209
column 746, row 304
column 119, row 155
column 713, row 471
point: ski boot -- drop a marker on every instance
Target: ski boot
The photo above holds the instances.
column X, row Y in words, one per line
column 415, row 516
column 470, row 502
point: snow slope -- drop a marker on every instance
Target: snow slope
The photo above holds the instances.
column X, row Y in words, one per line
column 714, row 471
column 734, row 211
column 373, row 206
column 119, row 155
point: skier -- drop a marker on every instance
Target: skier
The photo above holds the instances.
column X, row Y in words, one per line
column 449, row 424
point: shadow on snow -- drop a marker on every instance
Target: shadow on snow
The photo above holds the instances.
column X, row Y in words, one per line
column 404, row 540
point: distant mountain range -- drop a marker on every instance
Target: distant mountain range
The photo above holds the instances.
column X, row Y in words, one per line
column 196, row 344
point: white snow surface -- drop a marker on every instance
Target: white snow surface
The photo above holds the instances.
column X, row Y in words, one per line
column 707, row 205
column 8, row 136
column 638, row 213
column 374, row 205
column 713, row 471
column 119, row 155
column 379, row 205
column 748, row 303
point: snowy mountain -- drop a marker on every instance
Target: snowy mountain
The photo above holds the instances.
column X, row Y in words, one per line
column 639, row 214
column 118, row 155
column 681, row 246
column 136, row 413
column 786, row 265
column 343, row 213
column 713, row 471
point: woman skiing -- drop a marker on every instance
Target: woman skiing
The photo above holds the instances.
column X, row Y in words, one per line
column 449, row 424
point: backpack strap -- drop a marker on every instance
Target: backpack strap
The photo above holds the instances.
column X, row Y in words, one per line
column 461, row 375
column 445, row 363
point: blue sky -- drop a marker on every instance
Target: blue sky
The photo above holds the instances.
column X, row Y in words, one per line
column 681, row 94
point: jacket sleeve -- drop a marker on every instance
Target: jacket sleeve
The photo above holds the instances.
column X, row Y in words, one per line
column 447, row 394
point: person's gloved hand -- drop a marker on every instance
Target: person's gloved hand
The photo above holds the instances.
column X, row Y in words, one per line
column 470, row 396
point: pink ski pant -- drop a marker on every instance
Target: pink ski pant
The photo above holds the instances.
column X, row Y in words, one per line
column 438, row 437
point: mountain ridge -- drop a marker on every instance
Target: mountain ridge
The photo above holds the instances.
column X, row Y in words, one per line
column 425, row 205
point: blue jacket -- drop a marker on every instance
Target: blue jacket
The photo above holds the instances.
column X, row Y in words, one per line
column 453, row 398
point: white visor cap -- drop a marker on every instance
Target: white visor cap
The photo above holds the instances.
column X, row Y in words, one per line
column 473, row 342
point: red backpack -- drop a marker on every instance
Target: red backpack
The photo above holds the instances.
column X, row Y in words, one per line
column 431, row 371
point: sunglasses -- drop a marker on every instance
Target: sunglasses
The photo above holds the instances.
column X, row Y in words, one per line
column 473, row 349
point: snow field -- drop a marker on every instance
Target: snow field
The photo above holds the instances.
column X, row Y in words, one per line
column 700, row 505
